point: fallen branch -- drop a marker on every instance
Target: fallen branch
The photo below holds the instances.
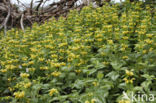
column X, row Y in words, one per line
column 5, row 21
column 29, row 15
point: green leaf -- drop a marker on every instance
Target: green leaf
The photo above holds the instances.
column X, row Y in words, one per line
column 116, row 65
column 78, row 84
column 113, row 75
column 91, row 71
column 100, row 75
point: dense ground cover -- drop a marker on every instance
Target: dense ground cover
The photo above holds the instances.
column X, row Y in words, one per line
column 96, row 56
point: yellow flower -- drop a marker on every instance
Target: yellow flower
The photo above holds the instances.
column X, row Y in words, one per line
column 3, row 70
column 149, row 35
column 31, row 62
column 9, row 79
column 78, row 71
column 52, row 91
column 93, row 100
column 151, row 49
column 76, row 40
column 148, row 41
column 24, row 58
column 33, row 56
column 110, row 42
column 3, row 63
column 83, row 53
column 10, row 67
column 57, row 64
column 56, row 74
column 7, row 97
column 124, row 101
column 129, row 73
column 125, row 32
column 63, row 63
column 62, row 44
column 99, row 35
column 87, row 101
column 126, row 80
column 125, row 38
column 24, row 75
column 31, row 69
column 105, row 63
column 122, row 49
column 19, row 94
column 95, row 83
column 41, row 59
column 33, row 49
column 75, row 48
column 54, row 56
column 124, row 26
column 125, row 57
column 11, row 89
column 44, row 68
column 144, row 51
column 131, row 81
column 90, row 94
column 27, row 85
column 100, row 39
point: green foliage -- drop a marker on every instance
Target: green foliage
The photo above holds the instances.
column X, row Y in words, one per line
column 89, row 57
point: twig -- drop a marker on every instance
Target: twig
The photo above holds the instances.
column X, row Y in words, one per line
column 29, row 16
column 43, row 5
column 5, row 21
column 17, row 1
column 38, row 6
column 22, row 4
column 31, row 7
column 29, row 20
column 21, row 22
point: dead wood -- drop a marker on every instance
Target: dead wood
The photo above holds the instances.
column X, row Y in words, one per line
column 12, row 16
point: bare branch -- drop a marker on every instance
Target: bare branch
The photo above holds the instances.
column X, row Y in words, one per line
column 43, row 5
column 5, row 21
column 21, row 3
column 29, row 15
column 18, row 1
column 21, row 22
column 31, row 7
column 38, row 6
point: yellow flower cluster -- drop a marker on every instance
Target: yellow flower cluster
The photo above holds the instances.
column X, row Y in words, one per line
column 24, row 75
column 125, row 57
column 78, row 71
column 19, row 94
column 110, row 42
column 129, row 73
column 83, row 43
column 27, row 85
column 56, row 74
column 128, row 79
column 148, row 41
column 95, row 83
column 52, row 91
